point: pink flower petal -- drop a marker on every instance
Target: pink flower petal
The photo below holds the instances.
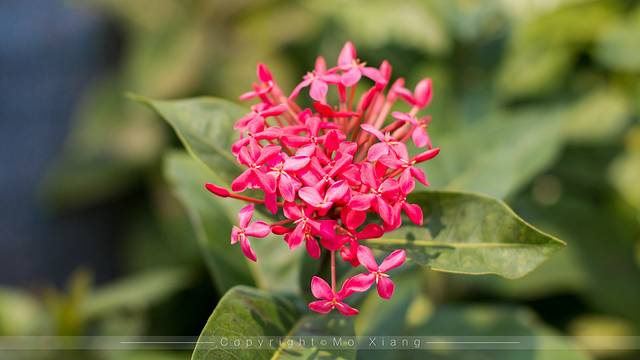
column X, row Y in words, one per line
column 311, row 196
column 313, row 249
column 244, row 157
column 267, row 183
column 404, row 117
column 296, row 236
column 271, row 202
column 395, row 259
column 246, row 248
column 385, row 211
column 320, row 289
column 351, row 77
column 347, row 54
column 368, row 176
column 292, row 211
column 287, row 188
column 360, row 282
column 320, row 65
column 423, row 93
column 295, row 163
column 264, row 74
column 296, row 91
column 373, row 131
column 242, row 182
column 258, row 229
column 377, row 151
column 345, row 309
column 274, row 110
column 385, row 287
column 420, row 137
column 361, row 202
column 419, row 175
column 245, row 214
column 321, row 306
column 390, row 161
column 374, row 74
column 235, row 232
column 371, row 231
column 354, row 218
column 406, row 182
column 400, row 149
column 389, row 186
column 332, row 141
column 414, row 212
column 365, row 256
column 267, row 153
column 337, row 191
column 318, row 90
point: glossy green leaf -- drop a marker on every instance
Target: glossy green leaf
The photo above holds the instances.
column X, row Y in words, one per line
column 495, row 157
column 209, row 219
column 205, row 127
column 471, row 234
column 247, row 312
column 244, row 311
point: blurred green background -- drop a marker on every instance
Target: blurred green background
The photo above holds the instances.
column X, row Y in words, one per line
column 536, row 102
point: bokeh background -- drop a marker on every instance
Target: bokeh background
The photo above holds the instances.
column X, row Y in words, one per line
column 536, row 102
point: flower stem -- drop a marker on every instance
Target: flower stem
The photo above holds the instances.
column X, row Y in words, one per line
column 333, row 271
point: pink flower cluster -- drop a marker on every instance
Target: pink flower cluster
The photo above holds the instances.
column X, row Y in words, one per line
column 340, row 173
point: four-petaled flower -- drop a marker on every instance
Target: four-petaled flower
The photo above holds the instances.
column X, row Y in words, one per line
column 246, row 228
column 377, row 274
column 319, row 80
column 329, row 299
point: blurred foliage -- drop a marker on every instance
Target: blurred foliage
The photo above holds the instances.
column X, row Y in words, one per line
column 536, row 102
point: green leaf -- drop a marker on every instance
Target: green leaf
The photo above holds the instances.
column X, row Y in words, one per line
column 209, row 219
column 245, row 311
column 514, row 147
column 379, row 317
column 135, row 292
column 624, row 171
column 319, row 325
column 542, row 51
column 20, row 313
column 213, row 217
column 471, row 234
column 410, row 22
column 248, row 312
column 205, row 127
column 618, row 47
column 599, row 116
column 493, row 321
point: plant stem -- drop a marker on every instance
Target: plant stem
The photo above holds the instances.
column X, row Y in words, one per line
column 333, row 271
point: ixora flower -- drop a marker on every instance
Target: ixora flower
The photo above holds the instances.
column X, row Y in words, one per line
column 338, row 173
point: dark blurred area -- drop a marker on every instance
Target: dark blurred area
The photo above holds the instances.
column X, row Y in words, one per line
column 535, row 102
column 50, row 55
